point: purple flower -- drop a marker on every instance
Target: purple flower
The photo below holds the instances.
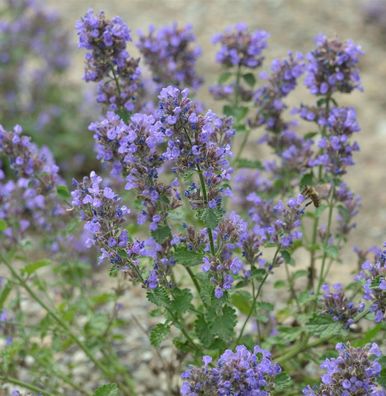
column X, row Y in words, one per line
column 171, row 55
column 373, row 275
column 333, row 67
column 240, row 47
column 202, row 146
column 268, row 98
column 28, row 198
column 108, row 60
column 336, row 304
column 353, row 372
column 235, row 373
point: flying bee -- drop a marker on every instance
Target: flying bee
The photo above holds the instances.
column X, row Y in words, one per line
column 312, row 194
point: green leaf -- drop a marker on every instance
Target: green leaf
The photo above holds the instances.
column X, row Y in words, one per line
column 33, row 267
column 285, row 335
column 310, row 135
column 211, row 217
column 279, row 284
column 223, row 325
column 249, row 164
column 224, row 77
column 158, row 333
column 323, row 326
column 240, row 128
column 63, row 192
column 187, row 257
column 107, row 390
column 305, row 297
column 299, row 274
column 3, row 225
column 124, row 114
column 287, row 257
column 201, row 327
column 306, row 179
column 320, row 210
column 282, row 381
column 258, row 273
column 5, row 293
column 182, row 299
column 237, row 112
column 162, row 233
column 250, row 79
column 159, row 297
column 382, row 376
column 206, row 289
column 242, row 300
column 331, row 251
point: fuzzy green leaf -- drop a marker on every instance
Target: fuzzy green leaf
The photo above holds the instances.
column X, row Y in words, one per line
column 33, row 267
column 250, row 79
column 162, row 233
column 323, row 326
column 107, row 390
column 242, row 300
column 158, row 334
column 181, row 301
column 223, row 325
column 201, row 329
column 306, row 180
column 211, row 217
column 249, row 164
column 6, row 289
column 187, row 257
column 224, row 77
column 63, row 192
column 282, row 381
column 159, row 297
column 3, row 225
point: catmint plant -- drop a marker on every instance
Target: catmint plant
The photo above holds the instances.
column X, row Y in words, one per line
column 233, row 252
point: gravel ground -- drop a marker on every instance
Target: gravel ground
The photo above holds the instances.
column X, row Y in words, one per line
column 292, row 24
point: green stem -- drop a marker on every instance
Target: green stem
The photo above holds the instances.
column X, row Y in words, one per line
column 205, row 195
column 237, row 87
column 312, row 271
column 255, row 297
column 292, row 287
column 305, row 345
column 329, row 222
column 116, row 81
column 25, row 385
column 61, row 323
column 183, row 330
column 243, row 144
column 195, row 282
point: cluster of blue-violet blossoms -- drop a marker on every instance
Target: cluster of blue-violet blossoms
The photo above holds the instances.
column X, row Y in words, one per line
column 225, row 265
column 28, row 182
column 338, row 306
column 135, row 154
column 240, row 48
column 269, row 98
column 108, row 61
column 27, row 81
column 236, row 373
column 353, row 372
column 105, row 219
column 171, row 55
column 277, row 223
column 333, row 67
column 196, row 142
column 373, row 276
